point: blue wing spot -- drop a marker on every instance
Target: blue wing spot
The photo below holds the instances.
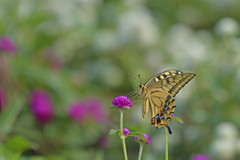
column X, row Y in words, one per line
column 162, row 116
column 158, row 118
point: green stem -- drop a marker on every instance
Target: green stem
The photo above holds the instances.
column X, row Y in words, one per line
column 166, row 143
column 140, row 151
column 99, row 155
column 123, row 137
column 121, row 121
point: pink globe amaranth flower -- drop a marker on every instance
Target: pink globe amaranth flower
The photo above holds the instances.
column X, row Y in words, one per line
column 121, row 101
column 78, row 111
column 41, row 106
column 7, row 45
column 96, row 110
column 200, row 157
column 136, row 138
column 2, row 99
column 126, row 131
column 148, row 140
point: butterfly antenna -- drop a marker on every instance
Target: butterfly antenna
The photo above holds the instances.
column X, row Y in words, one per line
column 133, row 95
column 129, row 74
column 135, row 102
column 130, row 94
column 139, row 78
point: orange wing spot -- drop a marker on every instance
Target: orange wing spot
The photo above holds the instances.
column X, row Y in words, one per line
column 153, row 121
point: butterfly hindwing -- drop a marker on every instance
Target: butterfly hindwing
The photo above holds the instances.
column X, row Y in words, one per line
column 145, row 107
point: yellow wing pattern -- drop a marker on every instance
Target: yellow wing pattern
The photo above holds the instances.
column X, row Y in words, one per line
column 159, row 93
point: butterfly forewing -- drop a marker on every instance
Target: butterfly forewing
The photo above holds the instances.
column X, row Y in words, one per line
column 158, row 93
column 186, row 77
column 162, row 75
column 171, row 84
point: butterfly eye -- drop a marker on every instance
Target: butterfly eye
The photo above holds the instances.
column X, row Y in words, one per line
column 140, row 85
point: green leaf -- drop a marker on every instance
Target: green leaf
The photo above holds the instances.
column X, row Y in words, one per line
column 113, row 131
column 125, row 108
column 177, row 119
column 140, row 136
column 37, row 158
column 6, row 154
column 37, row 74
column 18, row 144
column 136, row 134
column 16, row 156
column 9, row 116
column 55, row 157
column 117, row 108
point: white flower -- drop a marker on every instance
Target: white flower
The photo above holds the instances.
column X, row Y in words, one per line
column 223, row 149
column 177, row 37
column 105, row 41
column 105, row 71
column 238, row 145
column 186, row 46
column 137, row 25
column 71, row 13
column 155, row 59
column 226, row 130
column 25, row 9
column 134, row 3
column 227, row 27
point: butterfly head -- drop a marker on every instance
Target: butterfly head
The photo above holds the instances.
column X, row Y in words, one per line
column 142, row 90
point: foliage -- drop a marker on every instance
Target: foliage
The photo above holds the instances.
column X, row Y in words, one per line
column 79, row 50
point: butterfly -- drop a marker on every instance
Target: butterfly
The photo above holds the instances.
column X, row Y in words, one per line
column 159, row 92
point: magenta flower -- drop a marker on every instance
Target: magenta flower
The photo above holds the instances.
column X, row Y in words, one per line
column 172, row 115
column 125, row 131
column 41, row 106
column 147, row 141
column 7, row 45
column 200, row 157
column 122, row 101
column 78, row 111
column 96, row 110
column 2, row 98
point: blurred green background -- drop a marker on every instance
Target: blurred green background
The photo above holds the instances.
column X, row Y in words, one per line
column 80, row 50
